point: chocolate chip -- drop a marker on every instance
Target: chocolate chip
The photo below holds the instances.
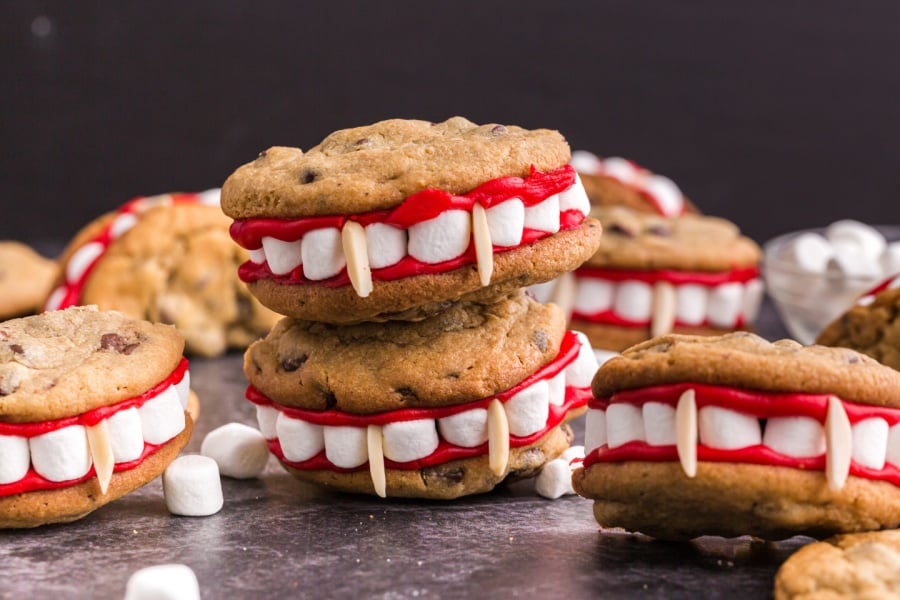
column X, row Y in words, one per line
column 407, row 395
column 17, row 348
column 4, row 335
column 330, row 400
column 292, row 363
column 852, row 359
column 308, row 176
column 619, row 230
column 452, row 475
column 453, row 375
column 362, row 142
column 660, row 230
column 539, row 339
column 263, row 154
column 498, row 130
column 117, row 343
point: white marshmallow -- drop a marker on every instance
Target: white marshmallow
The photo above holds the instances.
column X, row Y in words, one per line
column 621, row 169
column 210, row 197
column 810, row 251
column 690, row 303
column 283, row 257
column 575, row 198
column 847, row 233
column 659, row 423
column 580, row 371
column 669, row 198
column 634, row 301
column 299, row 439
column 163, row 582
column 409, row 440
column 322, row 253
column 55, row 298
column 346, row 447
column 543, row 292
column 126, row 435
column 467, row 429
column 61, row 455
column 505, row 222
column 604, row 355
column 554, row 480
column 543, row 216
column 725, row 429
column 82, row 259
column 870, row 440
column 265, row 418
column 753, row 295
column 527, row 411
column 594, row 295
column 122, row 224
column 799, row 437
column 15, row 458
column 162, row 418
column 557, row 388
column 183, row 388
column 853, row 264
column 725, row 303
column 585, row 162
column 892, row 453
column 442, row 238
column 571, row 453
column 890, row 260
column 624, row 423
column 594, row 429
column 240, row 451
column 257, row 256
column 192, row 486
column 385, row 245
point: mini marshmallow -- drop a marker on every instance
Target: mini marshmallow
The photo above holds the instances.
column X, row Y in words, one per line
column 669, row 199
column 753, row 295
column 527, row 411
column 557, row 388
column 283, row 257
column 543, row 216
column 810, row 251
column 15, row 459
column 346, row 447
column 410, row 440
column 799, row 437
column 585, row 162
column 55, row 299
column 594, row 295
column 725, row 429
column 870, row 440
column 854, row 265
column 162, row 418
column 554, row 480
column 594, row 429
column 299, row 439
column 622, row 169
column 122, row 224
column 81, row 260
column 725, row 303
column 240, row 451
column 690, row 303
column 892, row 452
column 624, row 423
column 542, row 292
column 192, row 486
column 442, row 238
column 659, row 423
column 61, row 455
column 257, row 256
column 323, row 253
column 571, row 453
column 126, row 435
column 580, row 372
column 890, row 260
column 506, row 221
column 385, row 245
column 183, row 388
column 866, row 240
column 163, row 582
column 265, row 418
column 575, row 198
column 634, row 300
column 210, row 197
column 467, row 429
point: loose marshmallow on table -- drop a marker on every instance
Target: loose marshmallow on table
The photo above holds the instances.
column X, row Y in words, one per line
column 240, row 451
column 192, row 486
column 163, row 582
column 555, row 478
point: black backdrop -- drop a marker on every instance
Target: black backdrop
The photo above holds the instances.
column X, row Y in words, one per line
column 778, row 115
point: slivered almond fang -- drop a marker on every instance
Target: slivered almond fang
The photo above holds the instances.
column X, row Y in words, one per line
column 353, row 240
column 564, row 293
column 101, row 453
column 498, row 438
column 686, row 432
column 374, row 441
column 484, row 248
column 838, row 444
column 663, row 316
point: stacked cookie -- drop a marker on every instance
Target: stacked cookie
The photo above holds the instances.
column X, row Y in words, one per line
column 410, row 362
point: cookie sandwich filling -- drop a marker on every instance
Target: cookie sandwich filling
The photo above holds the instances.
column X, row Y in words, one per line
column 665, row 299
column 430, row 232
column 64, row 452
column 691, row 422
column 78, row 267
column 891, row 283
column 416, row 438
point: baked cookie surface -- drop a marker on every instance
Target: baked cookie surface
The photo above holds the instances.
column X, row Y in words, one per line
column 873, row 329
column 26, row 279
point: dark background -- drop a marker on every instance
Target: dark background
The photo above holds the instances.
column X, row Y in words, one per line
column 778, row 115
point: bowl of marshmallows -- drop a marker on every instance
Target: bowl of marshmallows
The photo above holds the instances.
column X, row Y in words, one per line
column 815, row 275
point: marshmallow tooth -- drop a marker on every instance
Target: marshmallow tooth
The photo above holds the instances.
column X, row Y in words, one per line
column 594, row 295
column 192, row 487
column 870, row 439
column 668, row 198
column 162, row 418
column 543, row 216
column 622, row 169
column 556, row 387
column 122, row 224
column 405, row 441
column 506, row 222
column 892, row 451
column 183, row 388
column 580, row 372
column 725, row 303
column 753, row 294
column 726, row 429
column 594, row 429
column 690, row 303
column 575, row 198
column 659, row 423
column 125, row 435
column 800, row 437
column 442, row 238
column 346, row 447
column 686, row 432
column 299, row 439
column 62, row 454
column 467, row 429
column 839, row 444
column 266, row 416
column 527, row 411
column 322, row 253
column 585, row 162
column 240, row 451
column 101, row 453
column 634, row 300
column 283, row 257
column 385, row 245
column 624, row 423
column 16, row 459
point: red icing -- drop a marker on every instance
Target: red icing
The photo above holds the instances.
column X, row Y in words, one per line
column 882, row 286
column 643, row 191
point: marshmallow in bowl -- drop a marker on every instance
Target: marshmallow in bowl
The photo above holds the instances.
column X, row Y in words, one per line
column 847, row 249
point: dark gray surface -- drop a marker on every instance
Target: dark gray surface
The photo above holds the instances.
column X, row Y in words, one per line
column 278, row 537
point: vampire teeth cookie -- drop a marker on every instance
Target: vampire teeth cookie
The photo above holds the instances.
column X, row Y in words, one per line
column 439, row 408
column 396, row 219
column 26, row 278
column 168, row 259
column 92, row 406
column 732, row 435
column 653, row 275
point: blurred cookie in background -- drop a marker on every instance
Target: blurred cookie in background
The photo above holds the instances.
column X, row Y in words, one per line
column 26, row 278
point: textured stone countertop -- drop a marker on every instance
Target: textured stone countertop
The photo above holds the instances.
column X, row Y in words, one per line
column 277, row 537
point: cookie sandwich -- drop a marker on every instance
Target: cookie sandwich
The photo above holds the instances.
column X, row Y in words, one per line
column 26, row 278
column 732, row 435
column 395, row 220
column 446, row 406
column 92, row 406
column 168, row 259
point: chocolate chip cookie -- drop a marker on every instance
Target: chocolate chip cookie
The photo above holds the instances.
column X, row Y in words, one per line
column 26, row 278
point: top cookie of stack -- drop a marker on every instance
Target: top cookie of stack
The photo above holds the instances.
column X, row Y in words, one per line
column 395, row 220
